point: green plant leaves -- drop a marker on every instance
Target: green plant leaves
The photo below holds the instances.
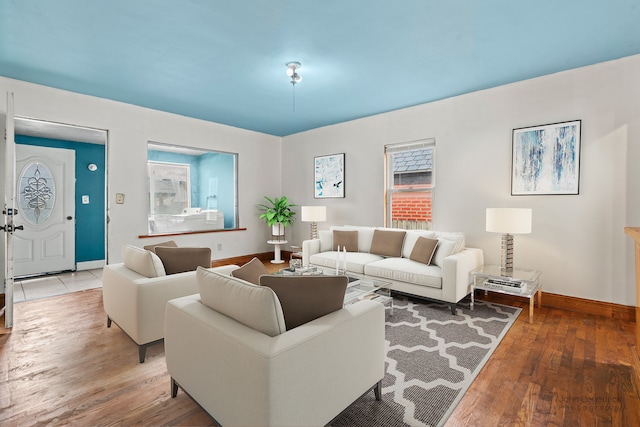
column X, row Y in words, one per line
column 277, row 211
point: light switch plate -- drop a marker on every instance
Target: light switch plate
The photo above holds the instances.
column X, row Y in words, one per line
column 119, row 198
column 85, row 200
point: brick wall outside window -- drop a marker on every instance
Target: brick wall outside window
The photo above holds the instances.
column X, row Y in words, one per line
column 411, row 206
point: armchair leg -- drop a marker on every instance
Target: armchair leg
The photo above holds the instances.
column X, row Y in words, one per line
column 377, row 390
column 174, row 388
column 108, row 322
column 142, row 352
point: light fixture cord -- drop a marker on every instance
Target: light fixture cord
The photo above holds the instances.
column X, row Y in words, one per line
column 294, row 97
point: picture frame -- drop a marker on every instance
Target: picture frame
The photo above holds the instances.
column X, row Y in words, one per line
column 546, row 159
column 329, row 176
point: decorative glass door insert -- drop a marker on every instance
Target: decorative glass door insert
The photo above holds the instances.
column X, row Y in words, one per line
column 37, row 193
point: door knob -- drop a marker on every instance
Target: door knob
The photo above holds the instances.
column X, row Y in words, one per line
column 69, row 217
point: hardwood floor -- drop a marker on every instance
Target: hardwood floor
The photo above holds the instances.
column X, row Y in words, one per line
column 61, row 365
column 565, row 368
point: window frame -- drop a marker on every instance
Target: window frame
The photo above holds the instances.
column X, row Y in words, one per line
column 232, row 187
column 389, row 176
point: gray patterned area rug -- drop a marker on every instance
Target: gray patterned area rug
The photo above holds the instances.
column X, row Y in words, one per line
column 432, row 359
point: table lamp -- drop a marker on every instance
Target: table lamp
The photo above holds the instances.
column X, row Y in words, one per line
column 314, row 215
column 508, row 221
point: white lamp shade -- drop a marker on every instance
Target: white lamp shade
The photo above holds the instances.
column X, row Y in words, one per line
column 313, row 213
column 509, row 220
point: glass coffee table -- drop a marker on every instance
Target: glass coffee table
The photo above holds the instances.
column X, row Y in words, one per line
column 371, row 289
column 358, row 289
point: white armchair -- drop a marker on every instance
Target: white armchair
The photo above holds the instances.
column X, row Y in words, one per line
column 136, row 292
column 242, row 376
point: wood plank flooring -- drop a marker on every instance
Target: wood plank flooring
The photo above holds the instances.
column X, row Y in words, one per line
column 61, row 365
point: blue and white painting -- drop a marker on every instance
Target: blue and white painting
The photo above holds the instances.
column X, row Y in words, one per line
column 329, row 176
column 546, row 159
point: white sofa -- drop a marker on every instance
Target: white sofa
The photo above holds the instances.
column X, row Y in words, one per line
column 136, row 292
column 228, row 349
column 446, row 278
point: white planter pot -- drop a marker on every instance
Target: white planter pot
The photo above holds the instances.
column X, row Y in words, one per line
column 277, row 229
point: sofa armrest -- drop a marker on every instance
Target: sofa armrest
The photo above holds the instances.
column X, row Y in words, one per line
column 456, row 271
column 225, row 269
column 332, row 359
column 309, row 247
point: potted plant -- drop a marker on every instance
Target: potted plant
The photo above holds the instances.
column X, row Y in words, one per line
column 277, row 214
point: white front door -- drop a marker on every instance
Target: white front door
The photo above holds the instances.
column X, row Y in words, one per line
column 45, row 199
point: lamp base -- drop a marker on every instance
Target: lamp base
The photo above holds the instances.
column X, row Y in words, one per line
column 314, row 230
column 506, row 258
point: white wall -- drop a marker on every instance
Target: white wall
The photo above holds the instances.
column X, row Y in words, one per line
column 129, row 128
column 578, row 241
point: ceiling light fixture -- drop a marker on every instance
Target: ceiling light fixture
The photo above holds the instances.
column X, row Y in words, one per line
column 292, row 72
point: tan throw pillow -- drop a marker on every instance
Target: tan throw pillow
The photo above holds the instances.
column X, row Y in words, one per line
column 169, row 243
column 254, row 306
column 423, row 250
column 251, row 271
column 344, row 238
column 387, row 242
column 143, row 262
column 305, row 298
column 179, row 260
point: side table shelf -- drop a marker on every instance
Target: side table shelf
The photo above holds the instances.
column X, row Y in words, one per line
column 531, row 279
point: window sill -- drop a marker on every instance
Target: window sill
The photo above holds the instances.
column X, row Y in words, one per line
column 180, row 233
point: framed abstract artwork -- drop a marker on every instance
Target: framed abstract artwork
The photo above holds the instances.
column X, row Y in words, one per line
column 546, row 159
column 329, row 176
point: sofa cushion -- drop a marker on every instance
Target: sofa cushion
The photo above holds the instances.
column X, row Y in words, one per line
column 406, row 270
column 251, row 271
column 365, row 236
column 387, row 242
column 355, row 260
column 456, row 237
column 423, row 250
column 342, row 238
column 168, row 243
column 444, row 249
column 326, row 240
column 254, row 306
column 142, row 261
column 305, row 298
column 179, row 260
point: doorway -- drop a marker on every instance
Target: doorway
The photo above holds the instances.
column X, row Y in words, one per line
column 89, row 214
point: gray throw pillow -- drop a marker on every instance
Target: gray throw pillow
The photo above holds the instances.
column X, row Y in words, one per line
column 251, row 271
column 305, row 298
column 344, row 238
column 423, row 250
column 387, row 242
column 179, row 260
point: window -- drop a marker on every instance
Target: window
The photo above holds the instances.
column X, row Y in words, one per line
column 409, row 184
column 191, row 189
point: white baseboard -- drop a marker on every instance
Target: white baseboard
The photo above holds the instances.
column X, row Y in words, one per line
column 90, row 265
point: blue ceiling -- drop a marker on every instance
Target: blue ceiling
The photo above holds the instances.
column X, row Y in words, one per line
column 224, row 61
